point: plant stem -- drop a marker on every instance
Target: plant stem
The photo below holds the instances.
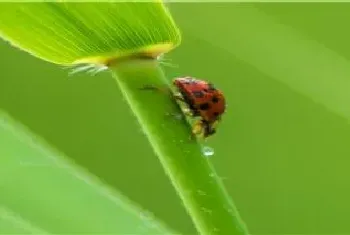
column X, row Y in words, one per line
column 189, row 170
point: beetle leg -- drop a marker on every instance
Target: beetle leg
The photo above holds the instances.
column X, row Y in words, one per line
column 208, row 130
column 179, row 97
column 176, row 96
column 154, row 88
column 187, row 112
column 197, row 128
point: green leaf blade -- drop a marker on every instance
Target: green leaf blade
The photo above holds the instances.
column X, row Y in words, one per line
column 46, row 192
column 67, row 33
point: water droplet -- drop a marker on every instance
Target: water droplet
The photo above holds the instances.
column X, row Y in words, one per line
column 207, row 151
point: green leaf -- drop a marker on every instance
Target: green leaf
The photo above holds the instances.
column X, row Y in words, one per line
column 43, row 192
column 67, row 33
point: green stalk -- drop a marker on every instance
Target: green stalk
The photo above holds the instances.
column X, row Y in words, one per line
column 190, row 172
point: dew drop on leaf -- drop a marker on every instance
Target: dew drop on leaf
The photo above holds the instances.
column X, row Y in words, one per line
column 207, row 151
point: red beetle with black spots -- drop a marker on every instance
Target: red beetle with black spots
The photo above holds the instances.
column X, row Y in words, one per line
column 204, row 101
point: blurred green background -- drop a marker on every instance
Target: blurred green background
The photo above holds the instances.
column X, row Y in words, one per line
column 282, row 148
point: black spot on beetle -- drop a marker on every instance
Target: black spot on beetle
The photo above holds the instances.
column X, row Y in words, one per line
column 204, row 106
column 215, row 99
column 216, row 114
column 198, row 94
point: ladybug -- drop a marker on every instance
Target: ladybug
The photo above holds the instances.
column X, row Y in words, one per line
column 203, row 100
